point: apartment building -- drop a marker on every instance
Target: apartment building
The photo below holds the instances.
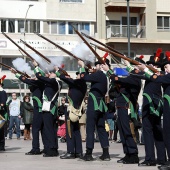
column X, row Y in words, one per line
column 51, row 18
column 149, row 25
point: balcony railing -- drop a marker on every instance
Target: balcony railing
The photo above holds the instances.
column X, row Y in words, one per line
column 121, row 31
column 125, row 0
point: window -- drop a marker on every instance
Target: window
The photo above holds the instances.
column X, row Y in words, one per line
column 21, row 26
column 11, row 25
column 54, row 27
column 78, row 26
column 70, row 28
column 85, row 26
column 8, row 61
column 163, row 23
column 3, row 25
column 34, row 26
column 61, row 27
column 71, row 64
column 132, row 20
column 79, row 1
column 46, row 26
column 112, row 22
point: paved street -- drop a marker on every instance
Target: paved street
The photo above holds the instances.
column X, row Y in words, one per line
column 14, row 158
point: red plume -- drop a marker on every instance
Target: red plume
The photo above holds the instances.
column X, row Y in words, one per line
column 105, row 56
column 158, row 52
column 168, row 54
column 141, row 57
column 62, row 65
column 3, row 77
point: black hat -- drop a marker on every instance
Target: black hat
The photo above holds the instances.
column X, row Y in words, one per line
column 77, row 73
column 140, row 59
column 104, row 59
column 157, row 58
column 166, row 60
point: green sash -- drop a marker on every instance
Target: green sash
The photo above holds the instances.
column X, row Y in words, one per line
column 152, row 108
column 167, row 97
column 132, row 114
column 39, row 102
column 101, row 107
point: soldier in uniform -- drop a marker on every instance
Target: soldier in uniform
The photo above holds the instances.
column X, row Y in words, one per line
column 96, row 110
column 36, row 87
column 50, row 96
column 165, row 80
column 129, row 89
column 3, row 113
column 76, row 94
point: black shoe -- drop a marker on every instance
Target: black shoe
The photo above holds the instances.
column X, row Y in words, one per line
column 164, row 167
column 87, row 158
column 33, row 153
column 123, row 159
column 105, row 157
column 141, row 143
column 133, row 159
column 68, row 156
column 147, row 163
column 119, row 141
column 51, row 153
column 79, row 155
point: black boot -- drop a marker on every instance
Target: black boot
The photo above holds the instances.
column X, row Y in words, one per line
column 123, row 159
column 68, row 156
column 133, row 159
column 105, row 156
column 88, row 155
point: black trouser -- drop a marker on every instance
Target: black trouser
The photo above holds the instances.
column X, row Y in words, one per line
column 129, row 145
column 153, row 135
column 95, row 119
column 166, row 126
column 37, row 126
column 27, row 126
column 2, row 138
column 115, row 130
column 74, row 144
column 50, row 131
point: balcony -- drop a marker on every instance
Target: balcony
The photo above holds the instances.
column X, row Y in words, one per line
column 112, row 4
column 120, row 31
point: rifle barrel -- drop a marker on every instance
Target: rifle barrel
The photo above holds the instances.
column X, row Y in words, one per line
column 37, row 52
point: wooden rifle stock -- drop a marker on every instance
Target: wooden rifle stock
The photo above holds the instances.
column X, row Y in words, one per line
column 124, row 57
column 64, row 72
column 110, row 48
column 37, row 52
column 18, row 47
column 24, row 74
column 58, row 46
column 94, row 52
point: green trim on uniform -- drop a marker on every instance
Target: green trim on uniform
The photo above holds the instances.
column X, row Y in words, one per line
column 54, row 111
column 109, row 73
column 57, row 73
column 152, row 108
column 101, row 107
column 38, row 69
column 17, row 75
column 148, row 73
column 167, row 97
column 82, row 70
column 132, row 114
column 130, row 68
column 39, row 103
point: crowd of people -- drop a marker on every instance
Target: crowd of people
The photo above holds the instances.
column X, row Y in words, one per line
column 83, row 115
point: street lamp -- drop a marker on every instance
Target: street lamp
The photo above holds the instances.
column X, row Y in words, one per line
column 128, row 27
column 24, row 39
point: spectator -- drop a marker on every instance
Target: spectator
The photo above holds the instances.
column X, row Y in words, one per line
column 82, row 121
column 27, row 110
column 14, row 107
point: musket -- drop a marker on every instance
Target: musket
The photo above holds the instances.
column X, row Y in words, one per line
column 94, row 52
column 18, row 47
column 37, row 52
column 58, row 46
column 24, row 74
column 124, row 57
column 107, row 46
